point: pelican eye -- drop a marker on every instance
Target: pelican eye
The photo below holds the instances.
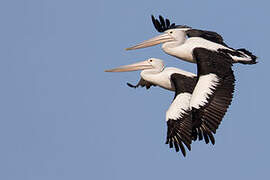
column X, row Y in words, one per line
column 170, row 32
column 150, row 60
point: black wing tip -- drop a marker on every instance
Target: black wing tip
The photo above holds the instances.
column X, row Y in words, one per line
column 184, row 153
column 161, row 18
column 203, row 133
column 178, row 145
column 162, row 24
column 130, row 85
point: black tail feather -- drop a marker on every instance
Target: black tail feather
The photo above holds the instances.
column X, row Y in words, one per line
column 253, row 57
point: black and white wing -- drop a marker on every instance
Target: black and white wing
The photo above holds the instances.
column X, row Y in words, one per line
column 162, row 25
column 142, row 83
column 208, row 35
column 212, row 94
column 178, row 116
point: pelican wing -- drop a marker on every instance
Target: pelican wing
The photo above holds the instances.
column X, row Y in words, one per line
column 212, row 94
column 162, row 24
column 178, row 116
column 142, row 83
column 209, row 35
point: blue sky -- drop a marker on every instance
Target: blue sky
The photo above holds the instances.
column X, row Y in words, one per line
column 63, row 117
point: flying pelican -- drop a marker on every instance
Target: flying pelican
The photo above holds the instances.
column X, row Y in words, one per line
column 181, row 41
column 199, row 103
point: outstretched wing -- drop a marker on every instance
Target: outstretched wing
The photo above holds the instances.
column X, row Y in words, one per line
column 142, row 83
column 178, row 116
column 212, row 94
column 208, row 35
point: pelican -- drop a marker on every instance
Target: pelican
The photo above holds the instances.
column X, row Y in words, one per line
column 181, row 41
column 200, row 102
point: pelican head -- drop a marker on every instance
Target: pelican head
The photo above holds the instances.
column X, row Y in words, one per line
column 152, row 64
column 172, row 35
column 170, row 38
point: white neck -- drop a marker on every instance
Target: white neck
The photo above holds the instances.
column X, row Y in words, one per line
column 157, row 77
column 148, row 73
column 172, row 47
column 180, row 49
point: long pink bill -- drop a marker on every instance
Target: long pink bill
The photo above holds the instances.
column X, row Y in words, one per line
column 132, row 67
column 153, row 41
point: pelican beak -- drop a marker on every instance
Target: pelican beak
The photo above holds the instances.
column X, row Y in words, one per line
column 153, row 41
column 132, row 67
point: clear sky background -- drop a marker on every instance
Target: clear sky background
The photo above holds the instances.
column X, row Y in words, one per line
column 63, row 117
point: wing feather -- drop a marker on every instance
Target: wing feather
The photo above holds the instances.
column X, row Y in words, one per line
column 142, row 83
column 215, row 100
column 209, row 35
column 178, row 116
